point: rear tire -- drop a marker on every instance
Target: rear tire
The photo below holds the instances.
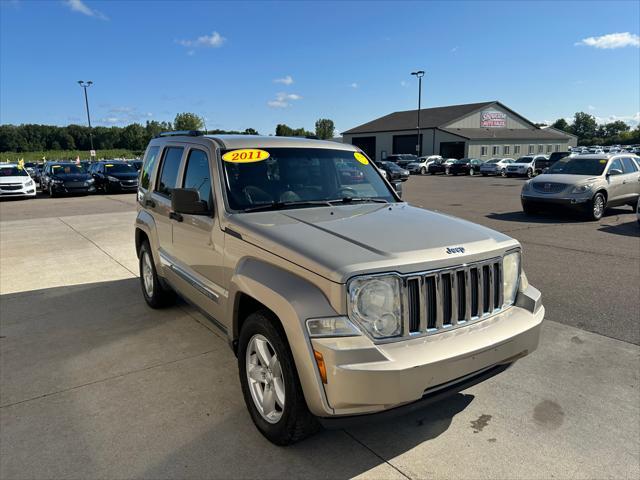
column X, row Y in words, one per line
column 529, row 173
column 423, row 171
column 155, row 293
column 51, row 192
column 447, row 171
column 288, row 419
column 503, row 173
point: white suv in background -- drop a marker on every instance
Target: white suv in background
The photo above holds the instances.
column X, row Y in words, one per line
column 15, row 181
column 422, row 165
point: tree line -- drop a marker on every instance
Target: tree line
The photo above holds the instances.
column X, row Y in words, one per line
column 589, row 132
column 133, row 137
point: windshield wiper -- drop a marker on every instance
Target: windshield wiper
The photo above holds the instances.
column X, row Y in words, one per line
column 358, row 200
column 283, row 205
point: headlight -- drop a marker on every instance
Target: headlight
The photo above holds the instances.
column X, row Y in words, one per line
column 374, row 302
column 91, row 180
column 510, row 277
column 29, row 183
column 112, row 179
column 582, row 188
column 331, row 327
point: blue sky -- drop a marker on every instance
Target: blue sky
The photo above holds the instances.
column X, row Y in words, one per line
column 257, row 64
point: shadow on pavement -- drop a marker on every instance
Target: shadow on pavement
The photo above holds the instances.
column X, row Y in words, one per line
column 96, row 384
column 551, row 217
column 628, row 229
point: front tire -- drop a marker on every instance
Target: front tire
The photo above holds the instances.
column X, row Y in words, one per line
column 447, row 171
column 529, row 173
column 503, row 173
column 51, row 192
column 155, row 293
column 423, row 171
column 596, row 207
column 270, row 384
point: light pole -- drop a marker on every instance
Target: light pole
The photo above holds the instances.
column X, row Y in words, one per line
column 419, row 74
column 86, row 85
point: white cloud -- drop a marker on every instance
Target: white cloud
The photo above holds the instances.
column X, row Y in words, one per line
column 403, row 83
column 591, row 107
column 80, row 7
column 631, row 120
column 214, row 40
column 282, row 100
column 354, row 85
column 611, row 40
column 286, row 80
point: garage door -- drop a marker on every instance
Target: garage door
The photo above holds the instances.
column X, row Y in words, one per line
column 405, row 144
column 367, row 145
column 452, row 149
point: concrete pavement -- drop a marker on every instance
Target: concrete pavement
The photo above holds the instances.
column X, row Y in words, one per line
column 96, row 385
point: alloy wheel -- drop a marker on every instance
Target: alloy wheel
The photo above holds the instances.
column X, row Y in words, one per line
column 265, row 379
column 147, row 274
column 598, row 206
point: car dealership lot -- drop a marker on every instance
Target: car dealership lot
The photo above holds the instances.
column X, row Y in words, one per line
column 95, row 384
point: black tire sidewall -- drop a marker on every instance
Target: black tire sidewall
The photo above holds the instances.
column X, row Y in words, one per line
column 262, row 323
column 161, row 297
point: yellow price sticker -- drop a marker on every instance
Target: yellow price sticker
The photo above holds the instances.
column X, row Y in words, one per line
column 109, row 165
column 245, row 155
column 603, row 161
column 56, row 166
column 361, row 158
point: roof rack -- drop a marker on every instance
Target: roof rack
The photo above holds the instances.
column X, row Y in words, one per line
column 187, row 133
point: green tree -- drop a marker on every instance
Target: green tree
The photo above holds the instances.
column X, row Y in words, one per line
column 324, row 128
column 584, row 125
column 561, row 124
column 615, row 128
column 283, row 130
column 188, row 121
column 134, row 137
column 250, row 131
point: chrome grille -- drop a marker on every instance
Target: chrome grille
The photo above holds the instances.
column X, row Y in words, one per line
column 548, row 187
column 452, row 297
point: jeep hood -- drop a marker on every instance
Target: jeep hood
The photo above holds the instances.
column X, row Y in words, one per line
column 343, row 241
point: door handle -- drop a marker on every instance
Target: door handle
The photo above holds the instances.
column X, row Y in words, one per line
column 175, row 216
column 150, row 203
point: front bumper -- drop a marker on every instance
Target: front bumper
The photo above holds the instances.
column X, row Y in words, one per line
column 123, row 186
column 62, row 189
column 548, row 200
column 366, row 378
column 19, row 192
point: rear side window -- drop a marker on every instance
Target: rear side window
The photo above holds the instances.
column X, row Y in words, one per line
column 169, row 171
column 629, row 165
column 149, row 163
column 197, row 176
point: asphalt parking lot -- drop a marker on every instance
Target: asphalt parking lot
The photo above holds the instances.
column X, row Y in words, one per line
column 93, row 384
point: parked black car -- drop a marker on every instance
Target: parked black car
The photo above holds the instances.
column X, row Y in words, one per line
column 543, row 163
column 394, row 172
column 65, row 178
column 137, row 164
column 464, row 166
column 402, row 159
column 437, row 166
column 114, row 176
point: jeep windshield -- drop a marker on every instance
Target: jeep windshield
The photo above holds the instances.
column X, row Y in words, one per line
column 578, row 166
column 302, row 177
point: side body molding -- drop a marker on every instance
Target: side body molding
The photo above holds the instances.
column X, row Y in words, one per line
column 294, row 300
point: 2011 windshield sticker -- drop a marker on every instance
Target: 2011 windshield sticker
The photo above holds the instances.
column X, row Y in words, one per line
column 361, row 158
column 245, row 155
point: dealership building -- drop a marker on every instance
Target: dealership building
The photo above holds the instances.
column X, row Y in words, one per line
column 477, row 130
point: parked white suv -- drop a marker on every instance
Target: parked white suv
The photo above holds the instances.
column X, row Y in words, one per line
column 16, row 182
column 422, row 165
column 525, row 166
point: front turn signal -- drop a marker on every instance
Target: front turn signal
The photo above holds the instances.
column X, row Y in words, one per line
column 322, row 368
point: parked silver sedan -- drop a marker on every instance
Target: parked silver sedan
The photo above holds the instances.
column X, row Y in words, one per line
column 589, row 183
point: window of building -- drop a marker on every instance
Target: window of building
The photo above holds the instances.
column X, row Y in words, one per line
column 149, row 162
column 483, row 151
column 197, row 176
column 516, row 149
column 540, row 148
column 549, row 148
column 557, row 148
column 169, row 171
column 532, row 149
column 495, row 150
column 506, row 150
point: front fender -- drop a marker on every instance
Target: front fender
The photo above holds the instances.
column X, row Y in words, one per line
column 293, row 300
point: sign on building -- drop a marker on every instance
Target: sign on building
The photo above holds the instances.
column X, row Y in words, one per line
column 493, row 119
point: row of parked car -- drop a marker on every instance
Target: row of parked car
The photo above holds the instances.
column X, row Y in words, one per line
column 64, row 178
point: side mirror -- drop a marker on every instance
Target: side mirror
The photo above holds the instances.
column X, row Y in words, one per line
column 398, row 188
column 187, row 201
column 614, row 171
